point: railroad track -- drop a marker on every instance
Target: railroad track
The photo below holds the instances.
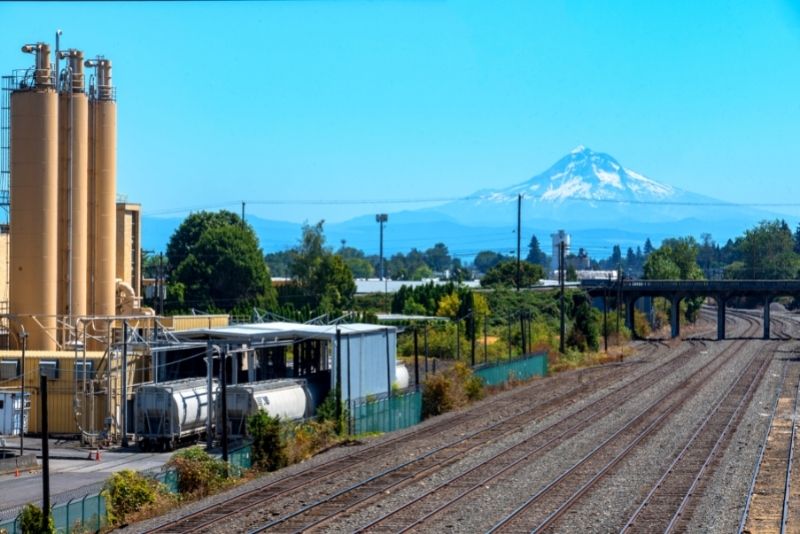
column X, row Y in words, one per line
column 770, row 495
column 322, row 512
column 314, row 476
column 556, row 497
column 528, row 397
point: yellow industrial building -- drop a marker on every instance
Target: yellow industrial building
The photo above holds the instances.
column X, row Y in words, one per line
column 70, row 252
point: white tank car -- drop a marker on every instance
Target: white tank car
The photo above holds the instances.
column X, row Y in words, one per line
column 169, row 412
column 284, row 398
column 402, row 378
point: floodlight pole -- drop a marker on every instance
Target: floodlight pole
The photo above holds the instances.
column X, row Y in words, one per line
column 381, row 219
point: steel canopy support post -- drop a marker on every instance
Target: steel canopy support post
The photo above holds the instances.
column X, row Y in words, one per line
column 416, row 360
column 675, row 315
column 338, row 390
column 209, row 394
column 45, row 455
column 124, row 383
column 223, row 378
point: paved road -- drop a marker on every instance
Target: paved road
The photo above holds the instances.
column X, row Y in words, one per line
column 72, row 473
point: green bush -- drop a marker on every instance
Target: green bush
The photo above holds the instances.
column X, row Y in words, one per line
column 450, row 389
column 437, row 397
column 30, row 521
column 128, row 491
column 268, row 449
column 326, row 411
column 198, row 472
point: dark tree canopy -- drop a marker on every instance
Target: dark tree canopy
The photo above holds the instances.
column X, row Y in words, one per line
column 217, row 265
column 487, row 259
column 324, row 278
column 505, row 274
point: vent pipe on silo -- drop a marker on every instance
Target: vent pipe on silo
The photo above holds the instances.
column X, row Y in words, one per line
column 42, row 74
column 72, row 191
column 101, row 298
column 33, row 276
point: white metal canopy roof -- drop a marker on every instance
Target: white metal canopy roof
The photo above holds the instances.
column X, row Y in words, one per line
column 276, row 331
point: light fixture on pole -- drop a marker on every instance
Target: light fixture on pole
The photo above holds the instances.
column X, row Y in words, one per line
column 381, row 219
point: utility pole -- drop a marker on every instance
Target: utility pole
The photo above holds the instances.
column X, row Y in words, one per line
column 243, row 203
column 519, row 240
column 160, row 284
column 561, row 277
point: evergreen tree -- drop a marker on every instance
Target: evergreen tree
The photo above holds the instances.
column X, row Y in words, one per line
column 535, row 253
column 648, row 247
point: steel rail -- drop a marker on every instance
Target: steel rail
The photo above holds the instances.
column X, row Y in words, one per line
column 314, row 474
column 683, row 453
column 611, row 396
column 788, row 484
column 656, row 424
column 507, row 467
column 762, row 449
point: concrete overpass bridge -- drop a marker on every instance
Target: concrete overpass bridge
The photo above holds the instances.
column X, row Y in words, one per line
column 629, row 291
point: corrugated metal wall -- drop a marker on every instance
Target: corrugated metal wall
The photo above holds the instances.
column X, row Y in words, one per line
column 368, row 364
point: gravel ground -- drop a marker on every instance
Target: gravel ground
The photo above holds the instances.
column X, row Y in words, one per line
column 498, row 407
column 612, row 503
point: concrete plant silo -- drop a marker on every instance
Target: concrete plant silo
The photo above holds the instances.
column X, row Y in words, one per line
column 34, row 202
column 102, row 191
column 72, row 189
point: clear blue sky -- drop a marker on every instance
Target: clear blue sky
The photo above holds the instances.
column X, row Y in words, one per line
column 283, row 101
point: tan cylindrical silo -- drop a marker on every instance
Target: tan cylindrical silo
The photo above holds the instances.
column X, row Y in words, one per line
column 102, row 193
column 73, row 191
column 34, row 205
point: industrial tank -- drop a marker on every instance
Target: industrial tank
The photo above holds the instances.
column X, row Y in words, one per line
column 102, row 191
column 72, row 188
column 33, row 273
column 169, row 412
column 402, row 379
column 284, row 398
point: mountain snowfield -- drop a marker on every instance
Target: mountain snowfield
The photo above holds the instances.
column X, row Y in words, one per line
column 589, row 194
column 587, row 175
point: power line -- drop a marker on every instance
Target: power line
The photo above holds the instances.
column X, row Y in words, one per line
column 430, row 200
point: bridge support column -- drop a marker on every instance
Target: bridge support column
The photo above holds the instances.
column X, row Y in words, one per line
column 675, row 315
column 767, row 302
column 721, row 301
column 629, row 321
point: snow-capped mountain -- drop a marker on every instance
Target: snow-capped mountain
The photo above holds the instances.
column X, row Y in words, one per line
column 591, row 195
column 587, row 175
column 586, row 188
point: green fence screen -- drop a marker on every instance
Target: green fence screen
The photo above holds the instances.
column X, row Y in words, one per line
column 386, row 414
column 523, row 368
column 87, row 514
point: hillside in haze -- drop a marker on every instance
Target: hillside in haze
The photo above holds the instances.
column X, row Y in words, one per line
column 589, row 194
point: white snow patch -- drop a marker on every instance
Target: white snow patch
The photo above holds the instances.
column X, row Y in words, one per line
column 572, row 188
column 648, row 185
column 578, row 149
column 611, row 178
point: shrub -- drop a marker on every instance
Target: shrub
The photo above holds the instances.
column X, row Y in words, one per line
column 30, row 521
column 128, row 491
column 198, row 472
column 326, row 411
column 450, row 389
column 304, row 440
column 267, row 449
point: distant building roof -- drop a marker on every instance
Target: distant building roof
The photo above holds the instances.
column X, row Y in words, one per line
column 388, row 317
column 375, row 285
